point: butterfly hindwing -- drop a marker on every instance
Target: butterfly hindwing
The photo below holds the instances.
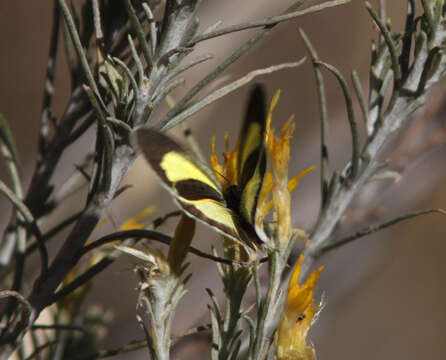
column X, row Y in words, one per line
column 252, row 157
column 190, row 182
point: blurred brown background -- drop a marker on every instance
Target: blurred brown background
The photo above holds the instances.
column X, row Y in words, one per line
column 385, row 294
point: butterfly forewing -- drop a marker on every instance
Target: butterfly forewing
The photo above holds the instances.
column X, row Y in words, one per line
column 191, row 183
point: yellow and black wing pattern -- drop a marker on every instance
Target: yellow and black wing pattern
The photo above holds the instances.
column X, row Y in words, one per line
column 191, row 183
column 251, row 162
column 231, row 209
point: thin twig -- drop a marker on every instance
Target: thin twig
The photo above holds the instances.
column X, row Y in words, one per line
column 407, row 37
column 9, row 154
column 47, row 114
column 180, row 69
column 390, row 44
column 271, row 21
column 162, row 219
column 192, row 142
column 80, row 50
column 15, row 238
column 30, row 221
column 95, row 105
column 428, row 13
column 322, row 99
column 360, row 95
column 179, row 107
column 37, row 350
column 139, row 32
column 180, row 50
column 137, row 61
column 149, row 235
column 55, row 230
column 379, row 79
column 131, row 346
column 97, row 25
column 120, row 124
column 26, row 308
column 262, row 311
column 106, row 135
column 372, row 229
column 219, row 93
column 16, row 295
column 429, row 68
column 80, row 129
column 69, row 55
column 165, row 91
column 342, row 194
column 69, row 327
column 212, row 27
column 351, row 118
column 152, row 27
column 129, row 74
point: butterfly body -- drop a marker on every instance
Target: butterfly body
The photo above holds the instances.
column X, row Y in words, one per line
column 233, row 196
column 227, row 207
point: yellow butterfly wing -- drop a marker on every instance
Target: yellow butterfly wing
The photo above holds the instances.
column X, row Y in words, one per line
column 251, row 162
column 191, row 183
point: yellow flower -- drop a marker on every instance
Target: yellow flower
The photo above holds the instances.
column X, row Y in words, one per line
column 135, row 222
column 279, row 148
column 69, row 303
column 275, row 182
column 94, row 257
column 178, row 249
column 264, row 205
column 226, row 174
column 298, row 316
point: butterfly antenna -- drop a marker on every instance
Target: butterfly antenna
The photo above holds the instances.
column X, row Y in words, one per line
column 224, row 177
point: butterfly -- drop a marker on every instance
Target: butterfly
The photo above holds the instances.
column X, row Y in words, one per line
column 229, row 208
